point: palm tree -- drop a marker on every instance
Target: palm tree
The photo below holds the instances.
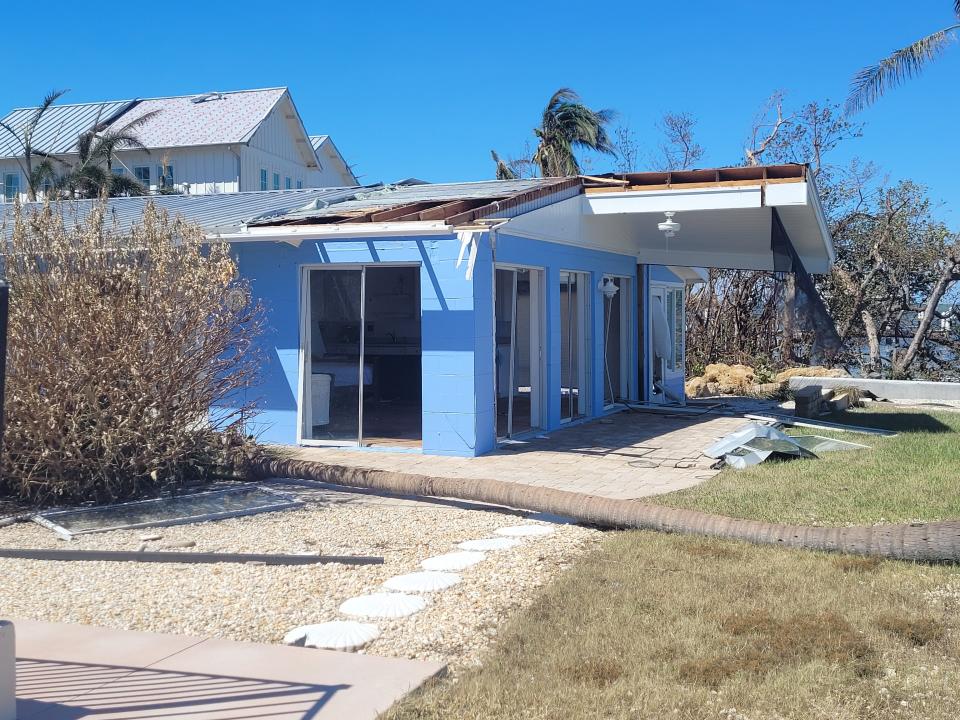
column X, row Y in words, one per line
column 92, row 175
column 568, row 125
column 871, row 82
column 922, row 542
column 36, row 174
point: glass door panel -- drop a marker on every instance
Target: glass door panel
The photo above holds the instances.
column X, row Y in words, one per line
column 572, row 352
column 616, row 347
column 517, row 358
column 335, row 370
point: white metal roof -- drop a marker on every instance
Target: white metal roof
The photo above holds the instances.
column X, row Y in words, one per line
column 59, row 127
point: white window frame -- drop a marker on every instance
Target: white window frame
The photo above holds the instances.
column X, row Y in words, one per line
column 138, row 172
column 15, row 186
column 678, row 370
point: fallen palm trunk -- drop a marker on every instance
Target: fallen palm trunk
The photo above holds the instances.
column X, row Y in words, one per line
column 922, row 542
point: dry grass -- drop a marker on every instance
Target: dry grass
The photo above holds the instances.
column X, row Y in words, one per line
column 906, row 478
column 662, row 626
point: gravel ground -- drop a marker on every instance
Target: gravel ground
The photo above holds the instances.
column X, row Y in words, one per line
column 259, row 603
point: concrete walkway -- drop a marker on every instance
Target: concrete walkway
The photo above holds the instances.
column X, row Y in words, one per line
column 624, row 456
column 69, row 672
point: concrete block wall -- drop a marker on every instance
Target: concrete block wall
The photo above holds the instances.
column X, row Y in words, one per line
column 451, row 330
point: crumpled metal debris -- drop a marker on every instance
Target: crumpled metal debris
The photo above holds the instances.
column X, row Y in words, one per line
column 754, row 443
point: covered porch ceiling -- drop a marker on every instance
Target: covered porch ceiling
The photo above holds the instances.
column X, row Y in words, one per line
column 740, row 218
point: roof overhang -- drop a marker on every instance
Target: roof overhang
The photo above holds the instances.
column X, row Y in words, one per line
column 724, row 225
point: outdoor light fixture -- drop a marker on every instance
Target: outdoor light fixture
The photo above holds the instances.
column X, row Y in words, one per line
column 669, row 227
column 608, row 287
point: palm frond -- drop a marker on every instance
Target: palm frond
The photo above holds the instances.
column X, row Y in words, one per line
column 125, row 186
column 871, row 82
column 956, row 8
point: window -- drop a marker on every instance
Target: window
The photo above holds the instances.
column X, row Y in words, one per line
column 276, row 181
column 299, row 184
column 165, row 176
column 119, row 171
column 142, row 173
column 11, row 186
column 286, row 184
column 263, row 179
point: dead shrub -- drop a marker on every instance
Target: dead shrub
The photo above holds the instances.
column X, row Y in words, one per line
column 768, row 642
column 916, row 630
column 120, row 343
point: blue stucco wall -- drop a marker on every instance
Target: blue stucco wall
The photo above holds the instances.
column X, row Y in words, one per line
column 451, row 331
column 552, row 258
column 457, row 321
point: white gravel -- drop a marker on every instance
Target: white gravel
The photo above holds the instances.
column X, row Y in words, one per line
column 263, row 603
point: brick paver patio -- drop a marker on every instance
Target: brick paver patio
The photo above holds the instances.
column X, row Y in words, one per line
column 626, row 455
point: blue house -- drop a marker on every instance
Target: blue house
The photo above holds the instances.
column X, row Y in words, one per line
column 445, row 318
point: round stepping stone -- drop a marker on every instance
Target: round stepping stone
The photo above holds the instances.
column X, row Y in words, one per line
column 385, row 605
column 427, row 581
column 334, row 635
column 452, row 561
column 524, row 530
column 500, row 543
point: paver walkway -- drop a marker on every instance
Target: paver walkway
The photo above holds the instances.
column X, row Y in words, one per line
column 623, row 456
column 69, row 672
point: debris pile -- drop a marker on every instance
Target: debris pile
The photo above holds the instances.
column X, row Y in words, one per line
column 723, row 379
column 754, row 443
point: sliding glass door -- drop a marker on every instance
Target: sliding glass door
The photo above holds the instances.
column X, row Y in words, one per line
column 574, row 364
column 362, row 356
column 518, row 350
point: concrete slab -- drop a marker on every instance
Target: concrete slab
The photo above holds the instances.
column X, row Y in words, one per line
column 627, row 455
column 69, row 672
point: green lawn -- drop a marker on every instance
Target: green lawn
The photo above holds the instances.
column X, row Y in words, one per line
column 914, row 476
column 665, row 626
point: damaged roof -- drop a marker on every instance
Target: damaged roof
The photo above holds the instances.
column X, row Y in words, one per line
column 451, row 203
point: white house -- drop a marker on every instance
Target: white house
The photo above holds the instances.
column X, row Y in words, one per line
column 215, row 142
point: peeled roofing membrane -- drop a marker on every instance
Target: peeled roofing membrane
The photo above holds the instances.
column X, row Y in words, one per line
column 427, row 581
column 175, row 510
column 385, row 605
column 500, row 543
column 524, row 530
column 452, row 561
column 334, row 635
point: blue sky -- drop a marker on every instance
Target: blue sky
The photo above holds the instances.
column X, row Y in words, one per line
column 427, row 89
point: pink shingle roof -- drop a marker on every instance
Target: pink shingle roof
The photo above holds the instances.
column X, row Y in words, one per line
column 219, row 119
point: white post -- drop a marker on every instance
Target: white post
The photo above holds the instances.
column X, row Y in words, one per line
column 8, row 672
